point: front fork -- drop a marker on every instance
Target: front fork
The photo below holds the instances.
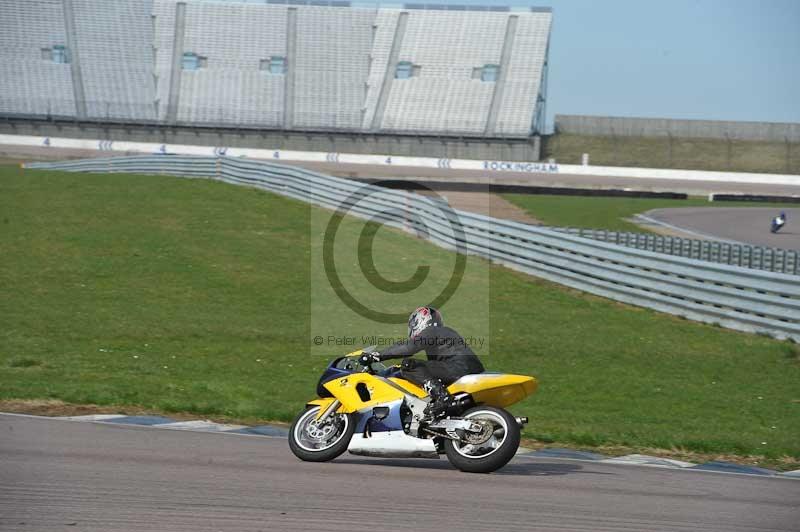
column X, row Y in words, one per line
column 326, row 411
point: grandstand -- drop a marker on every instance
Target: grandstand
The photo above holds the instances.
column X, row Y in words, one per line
column 115, row 79
column 416, row 70
column 35, row 72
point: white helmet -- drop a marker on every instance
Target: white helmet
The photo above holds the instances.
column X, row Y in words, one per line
column 422, row 318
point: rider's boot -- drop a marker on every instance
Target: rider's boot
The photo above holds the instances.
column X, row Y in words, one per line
column 439, row 398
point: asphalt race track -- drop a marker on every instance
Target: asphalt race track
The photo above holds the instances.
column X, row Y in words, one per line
column 65, row 475
column 743, row 224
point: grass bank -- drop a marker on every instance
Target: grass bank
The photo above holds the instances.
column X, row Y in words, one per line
column 178, row 295
column 676, row 152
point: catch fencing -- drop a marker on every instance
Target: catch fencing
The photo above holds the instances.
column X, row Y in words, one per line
column 734, row 297
column 746, row 256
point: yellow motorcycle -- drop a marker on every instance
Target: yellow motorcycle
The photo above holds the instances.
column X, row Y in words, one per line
column 371, row 411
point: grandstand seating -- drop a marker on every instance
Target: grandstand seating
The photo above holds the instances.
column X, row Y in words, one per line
column 383, row 36
column 231, row 88
column 163, row 43
column 116, row 59
column 527, row 62
column 292, row 66
column 30, row 83
column 447, row 46
column 332, row 66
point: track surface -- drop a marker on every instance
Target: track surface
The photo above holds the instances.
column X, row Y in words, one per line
column 62, row 475
column 743, row 224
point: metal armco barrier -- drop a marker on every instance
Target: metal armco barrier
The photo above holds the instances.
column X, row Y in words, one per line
column 756, row 257
column 734, row 297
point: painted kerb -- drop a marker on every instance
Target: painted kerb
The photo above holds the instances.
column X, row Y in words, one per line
column 733, row 297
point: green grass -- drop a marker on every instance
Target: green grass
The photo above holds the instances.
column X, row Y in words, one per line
column 609, row 213
column 190, row 295
column 684, row 153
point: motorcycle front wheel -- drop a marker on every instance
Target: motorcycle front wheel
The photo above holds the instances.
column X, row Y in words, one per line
column 313, row 441
column 490, row 450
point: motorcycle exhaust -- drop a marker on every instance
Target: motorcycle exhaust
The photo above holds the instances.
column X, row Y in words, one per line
column 521, row 421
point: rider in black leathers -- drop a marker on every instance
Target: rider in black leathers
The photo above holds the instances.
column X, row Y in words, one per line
column 449, row 356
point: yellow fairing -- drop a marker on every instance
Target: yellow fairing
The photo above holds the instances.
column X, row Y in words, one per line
column 409, row 386
column 346, row 390
column 323, row 404
column 495, row 389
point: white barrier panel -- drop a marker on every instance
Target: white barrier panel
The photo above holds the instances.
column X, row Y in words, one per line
column 278, row 155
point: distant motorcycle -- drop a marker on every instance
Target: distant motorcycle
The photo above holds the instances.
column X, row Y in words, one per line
column 778, row 222
column 372, row 411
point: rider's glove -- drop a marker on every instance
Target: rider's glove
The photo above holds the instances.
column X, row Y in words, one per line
column 368, row 358
column 408, row 363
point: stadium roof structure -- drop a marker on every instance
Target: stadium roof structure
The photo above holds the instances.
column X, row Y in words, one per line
column 304, row 65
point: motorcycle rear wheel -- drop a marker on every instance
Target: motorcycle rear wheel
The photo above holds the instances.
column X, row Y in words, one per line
column 314, row 442
column 491, row 454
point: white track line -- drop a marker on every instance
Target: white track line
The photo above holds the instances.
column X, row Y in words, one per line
column 200, row 425
column 95, row 417
column 652, row 461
